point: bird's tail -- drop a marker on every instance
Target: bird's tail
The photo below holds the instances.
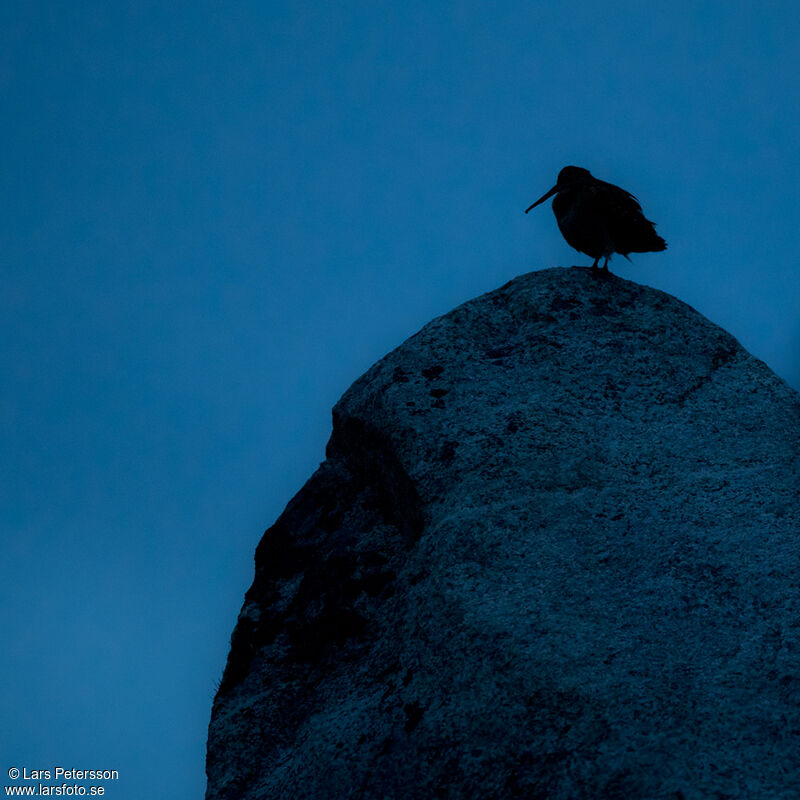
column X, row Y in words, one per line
column 646, row 240
column 655, row 244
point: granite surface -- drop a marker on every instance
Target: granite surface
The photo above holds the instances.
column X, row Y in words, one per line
column 554, row 552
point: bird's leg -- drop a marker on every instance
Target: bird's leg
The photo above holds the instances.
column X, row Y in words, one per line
column 594, row 266
column 605, row 265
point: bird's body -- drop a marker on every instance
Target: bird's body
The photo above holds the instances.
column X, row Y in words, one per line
column 598, row 218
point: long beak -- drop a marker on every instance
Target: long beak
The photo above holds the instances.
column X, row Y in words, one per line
column 543, row 198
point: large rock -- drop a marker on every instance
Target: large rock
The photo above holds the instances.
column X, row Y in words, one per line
column 554, row 552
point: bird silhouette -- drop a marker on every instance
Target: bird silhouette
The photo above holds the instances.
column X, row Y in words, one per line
column 598, row 218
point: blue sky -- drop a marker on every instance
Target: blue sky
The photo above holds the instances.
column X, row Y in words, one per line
column 214, row 218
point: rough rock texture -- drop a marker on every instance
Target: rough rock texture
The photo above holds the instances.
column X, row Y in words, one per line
column 554, row 552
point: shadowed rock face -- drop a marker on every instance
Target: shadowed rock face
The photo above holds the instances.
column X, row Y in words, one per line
column 554, row 552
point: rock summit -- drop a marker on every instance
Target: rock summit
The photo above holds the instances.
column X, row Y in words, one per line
column 553, row 552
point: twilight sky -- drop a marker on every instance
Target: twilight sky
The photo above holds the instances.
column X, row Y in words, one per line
column 215, row 217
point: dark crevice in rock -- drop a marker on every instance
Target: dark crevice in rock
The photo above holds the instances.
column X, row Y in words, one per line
column 432, row 373
column 722, row 355
column 413, row 712
column 370, row 456
column 320, row 549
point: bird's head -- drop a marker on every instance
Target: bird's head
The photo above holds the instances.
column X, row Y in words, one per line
column 568, row 178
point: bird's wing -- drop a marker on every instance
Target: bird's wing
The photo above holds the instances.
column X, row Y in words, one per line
column 626, row 223
column 616, row 196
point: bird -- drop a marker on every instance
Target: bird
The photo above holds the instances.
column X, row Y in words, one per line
column 598, row 218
